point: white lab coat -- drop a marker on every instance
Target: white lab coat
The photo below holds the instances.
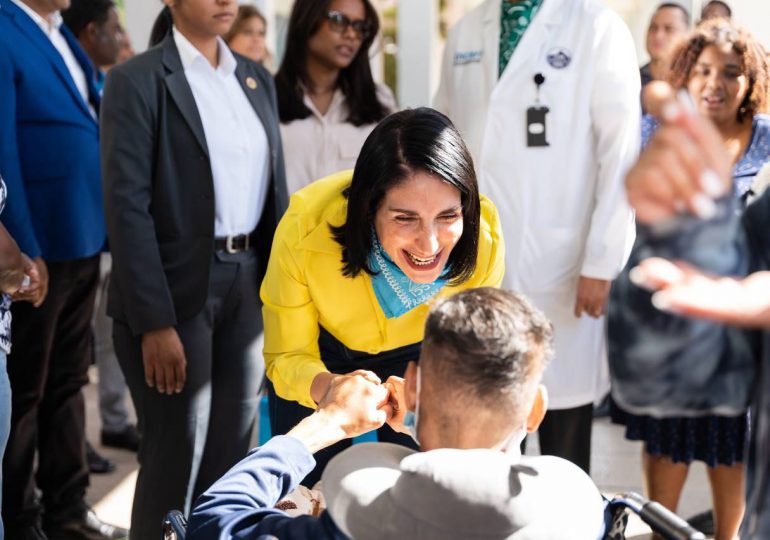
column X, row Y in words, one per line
column 563, row 207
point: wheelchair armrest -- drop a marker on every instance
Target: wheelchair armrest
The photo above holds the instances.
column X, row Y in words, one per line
column 660, row 519
column 174, row 526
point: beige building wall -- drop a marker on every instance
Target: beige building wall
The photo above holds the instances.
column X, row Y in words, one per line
column 754, row 15
column 140, row 14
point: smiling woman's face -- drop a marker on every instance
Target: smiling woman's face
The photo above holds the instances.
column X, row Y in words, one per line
column 718, row 84
column 418, row 223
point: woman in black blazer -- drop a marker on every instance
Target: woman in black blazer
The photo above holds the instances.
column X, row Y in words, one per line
column 190, row 152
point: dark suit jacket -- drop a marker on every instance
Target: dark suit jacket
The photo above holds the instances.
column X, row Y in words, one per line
column 49, row 144
column 159, row 190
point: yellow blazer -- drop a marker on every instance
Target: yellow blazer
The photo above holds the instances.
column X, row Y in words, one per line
column 304, row 288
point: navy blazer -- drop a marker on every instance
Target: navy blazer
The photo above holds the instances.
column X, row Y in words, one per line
column 49, row 144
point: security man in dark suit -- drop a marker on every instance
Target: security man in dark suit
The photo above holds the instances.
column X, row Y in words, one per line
column 194, row 187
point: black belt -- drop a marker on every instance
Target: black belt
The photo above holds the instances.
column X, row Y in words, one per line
column 236, row 243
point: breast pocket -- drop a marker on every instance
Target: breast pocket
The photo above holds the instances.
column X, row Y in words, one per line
column 569, row 104
column 349, row 142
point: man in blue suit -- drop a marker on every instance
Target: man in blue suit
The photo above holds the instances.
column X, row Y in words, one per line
column 49, row 157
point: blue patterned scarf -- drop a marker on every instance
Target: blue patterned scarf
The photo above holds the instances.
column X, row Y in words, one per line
column 395, row 292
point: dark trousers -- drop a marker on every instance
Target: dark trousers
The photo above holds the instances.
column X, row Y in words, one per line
column 191, row 439
column 284, row 415
column 566, row 433
column 52, row 349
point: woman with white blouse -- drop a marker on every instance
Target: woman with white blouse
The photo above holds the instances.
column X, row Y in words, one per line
column 327, row 99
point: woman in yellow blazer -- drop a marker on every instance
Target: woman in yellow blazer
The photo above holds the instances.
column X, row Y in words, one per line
column 359, row 256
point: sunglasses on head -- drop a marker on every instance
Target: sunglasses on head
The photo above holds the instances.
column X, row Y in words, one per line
column 340, row 23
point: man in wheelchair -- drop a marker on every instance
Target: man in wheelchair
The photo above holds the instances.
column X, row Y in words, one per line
column 469, row 403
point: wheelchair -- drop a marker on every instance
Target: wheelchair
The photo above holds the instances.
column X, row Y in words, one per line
column 661, row 520
column 174, row 526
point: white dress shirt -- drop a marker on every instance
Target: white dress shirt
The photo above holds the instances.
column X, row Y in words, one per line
column 322, row 144
column 236, row 140
column 51, row 28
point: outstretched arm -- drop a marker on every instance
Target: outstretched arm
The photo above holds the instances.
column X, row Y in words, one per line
column 240, row 504
column 664, row 363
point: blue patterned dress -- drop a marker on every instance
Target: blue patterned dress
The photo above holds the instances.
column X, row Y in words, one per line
column 715, row 440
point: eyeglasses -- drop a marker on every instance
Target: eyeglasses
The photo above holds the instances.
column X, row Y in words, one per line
column 339, row 23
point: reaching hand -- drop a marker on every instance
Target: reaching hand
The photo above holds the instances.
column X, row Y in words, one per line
column 397, row 400
column 688, row 291
column 353, row 404
column 357, row 403
column 165, row 365
column 684, row 166
column 591, row 297
column 320, row 385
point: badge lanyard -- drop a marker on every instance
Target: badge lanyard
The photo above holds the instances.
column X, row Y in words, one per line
column 536, row 126
column 537, row 135
column 559, row 58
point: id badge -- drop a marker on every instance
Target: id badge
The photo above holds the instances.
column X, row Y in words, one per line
column 536, row 131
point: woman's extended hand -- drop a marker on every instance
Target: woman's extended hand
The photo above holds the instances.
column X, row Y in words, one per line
column 685, row 290
column 684, row 166
column 320, row 385
column 358, row 403
column 397, row 400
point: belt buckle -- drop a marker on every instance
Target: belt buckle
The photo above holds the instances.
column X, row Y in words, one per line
column 229, row 247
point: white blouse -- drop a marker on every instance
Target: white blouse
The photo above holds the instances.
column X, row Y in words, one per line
column 319, row 145
column 236, row 139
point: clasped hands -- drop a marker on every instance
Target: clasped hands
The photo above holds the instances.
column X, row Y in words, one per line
column 358, row 402
column 351, row 404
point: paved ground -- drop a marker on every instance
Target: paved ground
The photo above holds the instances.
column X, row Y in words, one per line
column 615, row 464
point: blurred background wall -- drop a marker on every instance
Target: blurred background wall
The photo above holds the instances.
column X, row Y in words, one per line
column 408, row 55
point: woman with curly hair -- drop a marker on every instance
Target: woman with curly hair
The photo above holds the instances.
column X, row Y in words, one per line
column 725, row 72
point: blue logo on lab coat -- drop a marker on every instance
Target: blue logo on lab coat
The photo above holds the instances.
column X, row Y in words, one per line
column 467, row 57
column 559, row 57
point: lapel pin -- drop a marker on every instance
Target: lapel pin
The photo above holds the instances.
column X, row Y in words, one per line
column 251, row 83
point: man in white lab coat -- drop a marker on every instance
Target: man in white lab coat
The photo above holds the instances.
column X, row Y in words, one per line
column 546, row 93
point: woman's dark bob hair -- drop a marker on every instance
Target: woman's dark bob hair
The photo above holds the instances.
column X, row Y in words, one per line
column 404, row 143
column 355, row 81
